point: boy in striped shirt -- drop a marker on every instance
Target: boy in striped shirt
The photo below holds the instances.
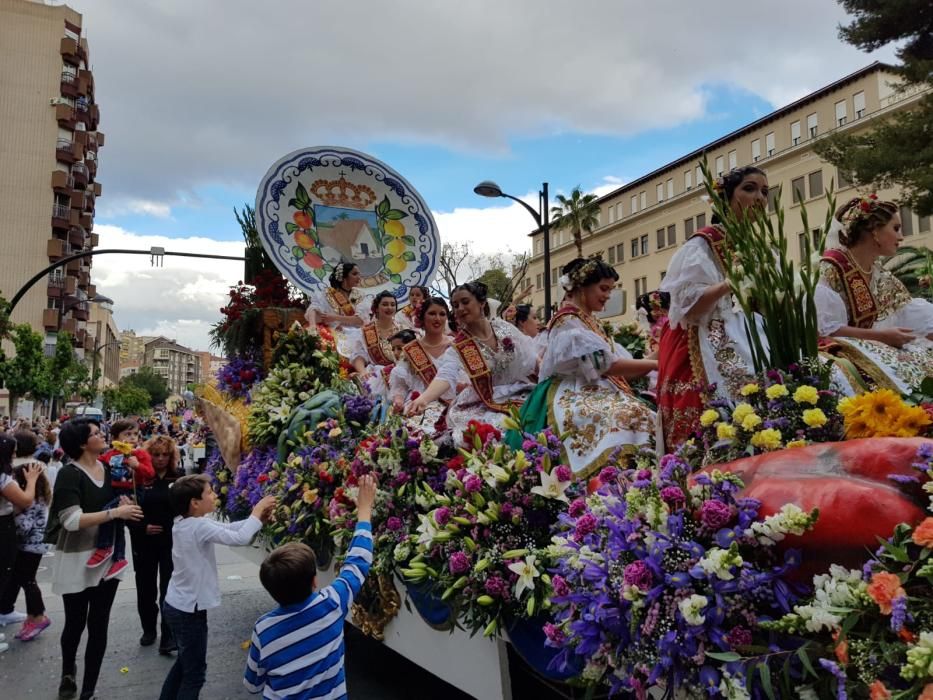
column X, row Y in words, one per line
column 297, row 650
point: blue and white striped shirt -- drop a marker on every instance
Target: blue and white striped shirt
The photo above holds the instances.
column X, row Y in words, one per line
column 297, row 650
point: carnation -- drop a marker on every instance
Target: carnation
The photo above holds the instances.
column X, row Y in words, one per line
column 394, row 523
column 560, row 585
column 709, row 417
column 473, row 483
column 585, row 525
column 459, row 563
column 442, row 516
column 639, row 575
column 563, row 473
column 739, row 636
column 807, row 394
column 673, row 495
column 715, row 514
column 776, row 391
column 497, row 587
column 577, row 508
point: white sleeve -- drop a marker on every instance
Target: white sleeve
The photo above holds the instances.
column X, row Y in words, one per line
column 236, row 533
column 356, row 346
column 917, row 315
column 317, row 300
column 526, row 355
column 574, row 350
column 399, row 382
column 691, row 271
column 831, row 314
column 448, row 367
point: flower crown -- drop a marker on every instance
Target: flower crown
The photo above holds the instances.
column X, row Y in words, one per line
column 338, row 271
column 577, row 278
column 860, row 210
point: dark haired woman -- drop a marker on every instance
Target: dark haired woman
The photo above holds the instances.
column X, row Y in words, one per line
column 584, row 392
column 417, row 364
column 495, row 356
column 339, row 305
column 407, row 316
column 873, row 319
column 705, row 341
column 371, row 350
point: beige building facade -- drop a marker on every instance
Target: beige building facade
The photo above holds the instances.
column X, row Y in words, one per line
column 133, row 347
column 106, row 344
column 48, row 146
column 642, row 223
column 178, row 365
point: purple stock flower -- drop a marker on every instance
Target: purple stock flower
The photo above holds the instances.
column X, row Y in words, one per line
column 715, row 514
column 459, row 563
column 563, row 473
column 442, row 516
column 473, row 483
column 898, row 613
column 840, row 675
column 506, row 509
column 394, row 523
column 639, row 575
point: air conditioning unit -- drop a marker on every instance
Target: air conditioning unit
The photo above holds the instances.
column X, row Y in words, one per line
column 55, row 101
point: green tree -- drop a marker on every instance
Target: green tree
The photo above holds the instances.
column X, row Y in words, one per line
column 579, row 213
column 127, row 399
column 899, row 150
column 23, row 375
column 153, row 384
column 57, row 371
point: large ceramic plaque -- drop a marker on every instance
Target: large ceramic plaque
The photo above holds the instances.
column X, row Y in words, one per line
column 319, row 207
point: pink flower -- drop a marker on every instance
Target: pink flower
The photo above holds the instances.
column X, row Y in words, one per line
column 506, row 509
column 672, row 495
column 442, row 516
column 394, row 524
column 497, row 587
column 563, row 473
column 560, row 585
column 608, row 474
column 738, row 637
column 473, row 483
column 459, row 563
column 715, row 514
column 585, row 525
column 577, row 508
column 553, row 633
column 639, row 575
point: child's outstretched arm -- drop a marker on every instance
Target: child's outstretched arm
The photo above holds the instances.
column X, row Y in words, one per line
column 360, row 554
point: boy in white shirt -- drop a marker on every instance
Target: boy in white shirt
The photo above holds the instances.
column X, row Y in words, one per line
column 194, row 587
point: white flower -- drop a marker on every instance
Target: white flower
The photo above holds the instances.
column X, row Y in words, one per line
column 495, row 473
column 552, row 488
column 691, row 608
column 733, row 688
column 427, row 530
column 790, row 520
column 428, row 449
column 527, row 573
column 719, row 562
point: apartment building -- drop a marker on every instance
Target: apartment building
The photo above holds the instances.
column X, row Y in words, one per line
column 642, row 223
column 210, row 364
column 133, row 347
column 178, row 365
column 48, row 146
column 106, row 337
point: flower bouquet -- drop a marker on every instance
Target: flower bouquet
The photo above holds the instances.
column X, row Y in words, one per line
column 882, row 413
column 483, row 544
column 782, row 410
column 871, row 631
column 249, row 482
column 237, row 377
column 221, row 477
column 657, row 583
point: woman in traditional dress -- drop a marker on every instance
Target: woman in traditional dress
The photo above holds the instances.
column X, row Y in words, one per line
column 497, row 358
column 875, row 324
column 340, row 306
column 417, row 363
column 583, row 391
column 705, row 341
column 371, row 349
column 523, row 318
column 407, row 316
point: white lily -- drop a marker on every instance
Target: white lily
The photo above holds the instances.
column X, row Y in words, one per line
column 495, row 473
column 552, row 488
column 527, row 573
column 427, row 530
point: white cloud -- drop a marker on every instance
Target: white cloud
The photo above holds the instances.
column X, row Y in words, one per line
column 205, row 92
column 144, row 207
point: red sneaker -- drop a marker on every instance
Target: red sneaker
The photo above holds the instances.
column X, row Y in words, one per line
column 115, row 569
column 100, row 555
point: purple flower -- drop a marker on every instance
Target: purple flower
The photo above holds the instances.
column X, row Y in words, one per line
column 643, row 474
column 473, row 483
column 673, row 496
column 608, row 475
column 497, row 587
column 738, row 637
column 903, row 479
column 442, row 516
column 560, row 585
column 563, row 473
column 840, row 675
column 394, row 524
column 577, row 508
column 715, row 514
column 506, row 509
column 639, row 575
column 554, row 634
column 925, row 451
column 898, row 613
column 585, row 525
column 459, row 563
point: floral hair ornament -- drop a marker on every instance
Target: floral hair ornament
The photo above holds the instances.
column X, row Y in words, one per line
column 338, row 272
column 577, row 278
column 860, row 210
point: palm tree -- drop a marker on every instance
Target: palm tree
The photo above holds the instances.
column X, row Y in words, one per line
column 913, row 266
column 579, row 213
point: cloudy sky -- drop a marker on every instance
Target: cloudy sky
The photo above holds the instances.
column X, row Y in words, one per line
column 198, row 99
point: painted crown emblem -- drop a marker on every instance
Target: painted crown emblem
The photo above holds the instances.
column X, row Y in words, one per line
column 340, row 193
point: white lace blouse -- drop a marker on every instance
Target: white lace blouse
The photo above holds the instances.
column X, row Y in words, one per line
column 573, row 350
column 508, row 366
column 691, row 271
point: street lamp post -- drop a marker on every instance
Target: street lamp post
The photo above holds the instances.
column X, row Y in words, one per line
column 487, row 188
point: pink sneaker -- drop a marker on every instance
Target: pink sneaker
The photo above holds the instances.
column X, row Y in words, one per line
column 115, row 569
column 31, row 629
column 99, row 556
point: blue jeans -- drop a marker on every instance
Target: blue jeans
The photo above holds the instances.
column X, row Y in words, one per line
column 186, row 677
column 112, row 534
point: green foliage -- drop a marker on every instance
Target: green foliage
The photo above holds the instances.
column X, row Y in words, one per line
column 498, row 283
column 257, row 259
column 23, row 375
column 579, row 213
column 127, row 399
column 914, row 267
column 154, row 385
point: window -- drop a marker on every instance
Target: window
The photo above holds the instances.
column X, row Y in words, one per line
column 699, row 176
column 620, row 253
column 907, row 221
column 672, row 234
column 769, row 143
column 688, row 181
column 641, row 286
column 798, row 189
column 923, row 224
column 720, row 166
column 858, row 104
column 842, row 112
column 812, row 125
column 816, row 183
column 611, row 255
column 688, row 228
column 634, row 203
column 842, row 179
column 756, row 150
column 774, row 194
column 634, row 247
column 733, row 161
column 644, row 200
column 701, row 221
column 795, row 133
column 802, row 244
column 661, row 238
column 660, row 192
column 538, row 284
column 670, row 187
column 364, row 250
column 555, row 239
column 612, row 214
column 555, row 275
column 644, row 244
column 624, row 299
column 538, row 245
column 619, row 212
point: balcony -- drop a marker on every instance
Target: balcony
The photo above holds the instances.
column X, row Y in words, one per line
column 55, row 287
column 81, row 338
column 85, row 82
column 55, row 248
column 78, row 200
column 61, row 216
column 70, row 82
column 91, row 164
column 68, row 325
column 86, row 221
column 93, row 117
column 92, row 291
column 69, row 51
column 81, row 311
column 97, row 189
column 62, row 182
column 73, row 267
column 89, row 200
column 82, row 50
column 65, row 114
column 80, row 175
column 95, row 240
column 84, row 279
column 67, row 151
column 76, row 237
column 50, row 319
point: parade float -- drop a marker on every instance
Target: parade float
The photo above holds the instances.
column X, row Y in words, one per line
column 784, row 551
